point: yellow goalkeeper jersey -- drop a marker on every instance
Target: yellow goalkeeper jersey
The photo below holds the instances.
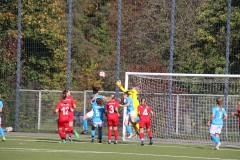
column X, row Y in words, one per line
column 134, row 95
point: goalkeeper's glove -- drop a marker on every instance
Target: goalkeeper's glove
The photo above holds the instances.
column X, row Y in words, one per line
column 118, row 83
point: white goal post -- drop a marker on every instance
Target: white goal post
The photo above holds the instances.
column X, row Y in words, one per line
column 182, row 104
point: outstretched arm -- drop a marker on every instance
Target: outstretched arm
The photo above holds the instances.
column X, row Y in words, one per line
column 234, row 114
column 118, row 83
column 124, row 105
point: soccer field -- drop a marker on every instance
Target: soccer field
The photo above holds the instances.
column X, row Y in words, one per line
column 30, row 146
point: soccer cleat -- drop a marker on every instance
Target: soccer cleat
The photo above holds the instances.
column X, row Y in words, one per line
column 109, row 142
column 63, row 142
column 92, row 140
column 131, row 135
column 84, row 132
column 115, row 142
column 151, row 142
column 142, row 143
column 217, row 146
column 70, row 139
column 3, row 139
column 100, row 141
column 76, row 134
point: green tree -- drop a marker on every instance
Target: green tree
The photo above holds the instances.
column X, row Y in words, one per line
column 211, row 36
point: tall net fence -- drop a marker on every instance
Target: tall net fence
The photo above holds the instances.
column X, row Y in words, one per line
column 181, row 115
column 37, row 107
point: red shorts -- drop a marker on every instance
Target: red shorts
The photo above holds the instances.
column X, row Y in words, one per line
column 144, row 122
column 71, row 116
column 113, row 121
column 63, row 122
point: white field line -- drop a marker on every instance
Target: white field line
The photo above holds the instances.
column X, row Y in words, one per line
column 100, row 152
column 34, row 140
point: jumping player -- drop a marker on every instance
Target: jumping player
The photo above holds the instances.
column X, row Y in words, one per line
column 130, row 113
column 133, row 94
column 94, row 96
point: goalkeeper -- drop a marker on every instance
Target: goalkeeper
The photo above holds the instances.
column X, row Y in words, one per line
column 133, row 94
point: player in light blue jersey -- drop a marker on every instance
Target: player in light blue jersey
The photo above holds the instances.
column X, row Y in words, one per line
column 216, row 122
column 1, row 130
column 128, row 102
column 94, row 96
column 97, row 119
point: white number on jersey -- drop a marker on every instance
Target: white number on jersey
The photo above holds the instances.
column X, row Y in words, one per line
column 65, row 110
column 111, row 109
column 145, row 112
column 220, row 115
column 97, row 113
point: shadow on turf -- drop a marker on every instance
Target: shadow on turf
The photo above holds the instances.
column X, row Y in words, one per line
column 49, row 140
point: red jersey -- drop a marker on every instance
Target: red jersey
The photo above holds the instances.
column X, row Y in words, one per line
column 64, row 108
column 71, row 102
column 239, row 117
column 112, row 115
column 111, row 106
column 239, row 112
column 144, row 111
column 144, row 116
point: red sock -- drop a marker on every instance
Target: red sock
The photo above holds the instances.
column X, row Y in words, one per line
column 141, row 136
column 109, row 134
column 116, row 134
column 70, row 131
column 149, row 134
column 62, row 134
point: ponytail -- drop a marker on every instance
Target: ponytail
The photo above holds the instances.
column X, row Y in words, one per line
column 64, row 94
column 219, row 103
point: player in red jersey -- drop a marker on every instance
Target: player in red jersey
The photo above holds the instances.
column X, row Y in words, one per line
column 112, row 118
column 71, row 117
column 143, row 111
column 238, row 113
column 63, row 108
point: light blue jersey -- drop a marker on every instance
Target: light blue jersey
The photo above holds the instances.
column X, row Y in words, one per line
column 130, row 107
column 95, row 101
column 218, row 115
column 1, row 104
column 98, row 112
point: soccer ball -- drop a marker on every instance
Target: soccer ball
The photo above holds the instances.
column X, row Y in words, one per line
column 102, row 74
column 9, row 129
